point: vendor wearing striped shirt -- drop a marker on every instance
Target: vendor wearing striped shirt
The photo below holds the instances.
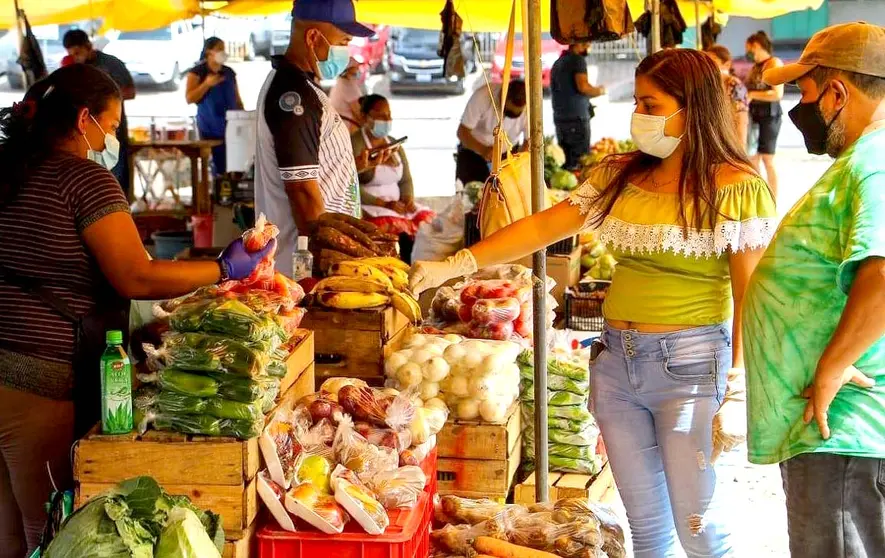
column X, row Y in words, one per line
column 304, row 163
column 70, row 254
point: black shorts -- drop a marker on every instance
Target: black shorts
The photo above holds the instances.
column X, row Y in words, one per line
column 769, row 128
column 766, row 118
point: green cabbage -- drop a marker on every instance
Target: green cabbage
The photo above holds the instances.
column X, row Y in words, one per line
column 127, row 521
column 185, row 537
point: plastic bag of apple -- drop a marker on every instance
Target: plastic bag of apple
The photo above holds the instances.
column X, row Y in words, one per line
column 477, row 379
column 347, row 452
column 494, row 303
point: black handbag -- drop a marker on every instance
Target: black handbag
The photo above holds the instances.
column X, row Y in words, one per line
column 111, row 313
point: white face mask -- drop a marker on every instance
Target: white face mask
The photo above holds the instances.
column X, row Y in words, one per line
column 220, row 57
column 648, row 135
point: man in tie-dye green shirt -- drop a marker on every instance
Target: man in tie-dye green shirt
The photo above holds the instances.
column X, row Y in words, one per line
column 814, row 311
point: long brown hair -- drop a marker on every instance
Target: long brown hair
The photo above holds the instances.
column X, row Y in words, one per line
column 710, row 139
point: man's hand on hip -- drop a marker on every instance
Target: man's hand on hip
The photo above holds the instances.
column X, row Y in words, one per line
column 823, row 390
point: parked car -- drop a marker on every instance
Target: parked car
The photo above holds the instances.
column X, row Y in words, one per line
column 161, row 56
column 550, row 52
column 415, row 64
column 280, row 32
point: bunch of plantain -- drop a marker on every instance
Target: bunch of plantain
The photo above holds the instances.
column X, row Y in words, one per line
column 367, row 283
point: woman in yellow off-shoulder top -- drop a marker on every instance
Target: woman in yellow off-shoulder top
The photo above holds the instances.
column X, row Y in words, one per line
column 687, row 218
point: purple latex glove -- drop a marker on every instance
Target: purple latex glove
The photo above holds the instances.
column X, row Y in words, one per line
column 236, row 263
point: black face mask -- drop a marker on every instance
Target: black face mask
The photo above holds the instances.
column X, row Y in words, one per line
column 809, row 119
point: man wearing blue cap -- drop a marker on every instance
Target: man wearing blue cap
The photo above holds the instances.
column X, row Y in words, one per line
column 304, row 163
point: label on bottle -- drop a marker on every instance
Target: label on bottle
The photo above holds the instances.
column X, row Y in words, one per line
column 116, row 395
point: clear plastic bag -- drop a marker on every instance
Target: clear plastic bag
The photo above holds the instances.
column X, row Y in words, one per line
column 354, row 452
column 381, row 409
column 225, row 386
column 204, row 425
column 398, row 488
column 210, row 353
column 280, row 446
column 319, row 509
column 256, row 239
column 384, row 437
column 229, row 318
column 359, row 501
column 170, row 402
column 496, row 332
column 495, row 310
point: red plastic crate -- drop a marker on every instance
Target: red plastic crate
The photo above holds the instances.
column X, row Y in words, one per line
column 429, row 466
column 407, row 537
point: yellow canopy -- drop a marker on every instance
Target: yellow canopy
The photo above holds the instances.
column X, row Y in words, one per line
column 124, row 15
column 493, row 15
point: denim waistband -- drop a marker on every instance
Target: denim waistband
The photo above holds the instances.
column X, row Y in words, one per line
column 634, row 344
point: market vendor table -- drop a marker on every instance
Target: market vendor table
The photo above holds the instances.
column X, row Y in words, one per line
column 198, row 151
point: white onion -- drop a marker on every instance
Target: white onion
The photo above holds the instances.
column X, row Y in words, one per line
column 394, row 363
column 409, row 375
column 421, row 356
column 468, row 409
column 459, row 386
column 454, row 354
column 436, row 403
column 493, row 410
column 428, row 390
column 435, row 369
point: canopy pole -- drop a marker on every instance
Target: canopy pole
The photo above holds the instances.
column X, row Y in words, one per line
column 699, row 44
column 539, row 267
column 655, row 9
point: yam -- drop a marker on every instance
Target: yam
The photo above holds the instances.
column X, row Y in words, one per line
column 349, row 230
column 327, row 258
column 364, row 226
column 334, row 239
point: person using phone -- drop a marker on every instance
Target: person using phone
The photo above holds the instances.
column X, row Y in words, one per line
column 386, row 191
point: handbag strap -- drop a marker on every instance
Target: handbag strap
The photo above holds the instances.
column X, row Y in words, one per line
column 501, row 139
column 38, row 289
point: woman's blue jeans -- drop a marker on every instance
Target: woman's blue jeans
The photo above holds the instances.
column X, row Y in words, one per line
column 654, row 396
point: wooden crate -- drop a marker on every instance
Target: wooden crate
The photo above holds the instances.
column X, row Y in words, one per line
column 479, row 460
column 356, row 340
column 598, row 488
column 216, row 473
column 241, row 548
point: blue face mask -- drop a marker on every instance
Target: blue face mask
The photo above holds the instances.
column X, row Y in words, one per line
column 109, row 156
column 335, row 63
column 382, row 128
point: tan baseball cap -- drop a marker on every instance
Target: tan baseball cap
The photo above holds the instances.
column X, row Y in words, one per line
column 852, row 47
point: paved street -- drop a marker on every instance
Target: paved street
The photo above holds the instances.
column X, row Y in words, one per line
column 431, row 121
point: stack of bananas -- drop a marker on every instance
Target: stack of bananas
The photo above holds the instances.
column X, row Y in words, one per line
column 367, row 283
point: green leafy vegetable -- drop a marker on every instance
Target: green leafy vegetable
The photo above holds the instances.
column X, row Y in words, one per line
column 185, row 537
column 127, row 522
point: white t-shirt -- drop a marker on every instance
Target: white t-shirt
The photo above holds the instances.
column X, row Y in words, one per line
column 343, row 93
column 300, row 137
column 479, row 116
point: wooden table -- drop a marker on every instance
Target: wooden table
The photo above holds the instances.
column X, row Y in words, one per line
column 198, row 151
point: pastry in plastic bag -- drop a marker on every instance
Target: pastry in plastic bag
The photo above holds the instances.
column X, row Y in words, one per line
column 358, row 501
column 309, row 504
column 399, row 488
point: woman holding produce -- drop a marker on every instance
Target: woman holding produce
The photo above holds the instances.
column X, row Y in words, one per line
column 765, row 105
column 212, row 86
column 687, row 219
column 70, row 257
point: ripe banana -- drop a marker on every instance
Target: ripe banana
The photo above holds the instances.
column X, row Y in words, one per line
column 339, row 284
column 352, row 301
column 398, row 278
column 407, row 305
column 360, row 270
column 387, row 261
